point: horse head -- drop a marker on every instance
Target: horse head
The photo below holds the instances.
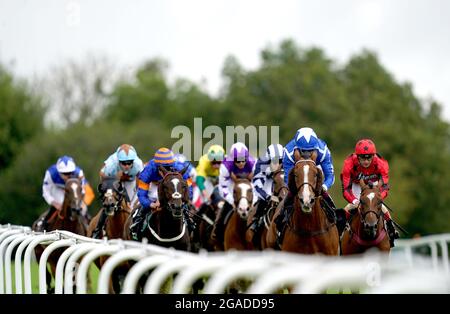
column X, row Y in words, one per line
column 73, row 199
column 242, row 194
column 280, row 189
column 113, row 193
column 305, row 181
column 370, row 203
column 173, row 191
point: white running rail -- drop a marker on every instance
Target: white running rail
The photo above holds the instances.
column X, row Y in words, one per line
column 414, row 266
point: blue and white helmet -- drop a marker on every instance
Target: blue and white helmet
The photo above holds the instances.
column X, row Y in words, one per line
column 65, row 164
column 126, row 152
column 306, row 139
column 180, row 158
column 275, row 152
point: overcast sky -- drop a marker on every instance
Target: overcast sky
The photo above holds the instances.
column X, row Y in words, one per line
column 411, row 37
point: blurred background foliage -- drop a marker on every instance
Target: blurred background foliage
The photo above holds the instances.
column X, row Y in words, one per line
column 87, row 109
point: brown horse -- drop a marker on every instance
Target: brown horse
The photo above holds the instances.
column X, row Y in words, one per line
column 366, row 227
column 115, row 208
column 308, row 229
column 68, row 218
column 114, row 212
column 204, row 220
column 234, row 236
column 167, row 225
column 280, row 191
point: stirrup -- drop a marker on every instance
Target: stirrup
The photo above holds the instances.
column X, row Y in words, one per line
column 96, row 233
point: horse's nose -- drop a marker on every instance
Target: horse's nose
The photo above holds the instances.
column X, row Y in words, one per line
column 308, row 202
column 371, row 227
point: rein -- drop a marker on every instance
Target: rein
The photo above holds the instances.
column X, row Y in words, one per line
column 357, row 238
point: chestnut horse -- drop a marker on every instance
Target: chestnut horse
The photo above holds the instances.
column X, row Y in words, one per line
column 236, row 227
column 280, row 190
column 68, row 218
column 365, row 229
column 308, row 229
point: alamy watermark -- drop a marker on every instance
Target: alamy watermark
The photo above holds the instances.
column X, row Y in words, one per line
column 192, row 145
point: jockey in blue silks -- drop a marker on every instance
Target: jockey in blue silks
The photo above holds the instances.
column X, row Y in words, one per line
column 307, row 143
column 148, row 181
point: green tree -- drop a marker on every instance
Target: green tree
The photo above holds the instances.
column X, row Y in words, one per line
column 21, row 116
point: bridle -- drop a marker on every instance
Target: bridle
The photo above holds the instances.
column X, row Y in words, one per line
column 176, row 210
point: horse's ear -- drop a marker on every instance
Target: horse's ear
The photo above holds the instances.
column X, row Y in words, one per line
column 291, row 181
column 163, row 170
column 314, row 155
column 183, row 171
column 296, row 155
column 100, row 188
column 319, row 181
column 118, row 186
column 362, row 184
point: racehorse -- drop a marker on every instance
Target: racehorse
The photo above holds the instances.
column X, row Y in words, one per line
column 115, row 208
column 308, row 230
column 365, row 229
column 235, row 228
column 167, row 226
column 280, row 190
column 68, row 218
column 204, row 220
column 114, row 212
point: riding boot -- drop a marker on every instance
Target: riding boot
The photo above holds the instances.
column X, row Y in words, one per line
column 137, row 220
column 280, row 219
column 327, row 198
column 260, row 209
column 341, row 220
column 393, row 234
column 42, row 225
column 218, row 229
column 100, row 224
column 192, row 225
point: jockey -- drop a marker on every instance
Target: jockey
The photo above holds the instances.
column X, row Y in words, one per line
column 239, row 163
column 308, row 143
column 208, row 170
column 54, row 183
column 366, row 164
column 148, row 186
column 263, row 181
column 124, row 165
column 192, row 173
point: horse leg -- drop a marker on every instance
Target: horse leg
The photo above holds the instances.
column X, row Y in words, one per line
column 114, row 283
column 49, row 277
column 197, row 286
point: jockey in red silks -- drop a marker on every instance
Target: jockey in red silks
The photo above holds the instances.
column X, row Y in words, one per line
column 366, row 164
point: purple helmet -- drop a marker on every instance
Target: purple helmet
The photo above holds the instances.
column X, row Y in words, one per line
column 238, row 151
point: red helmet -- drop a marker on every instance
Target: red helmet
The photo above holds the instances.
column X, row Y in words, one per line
column 365, row 147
